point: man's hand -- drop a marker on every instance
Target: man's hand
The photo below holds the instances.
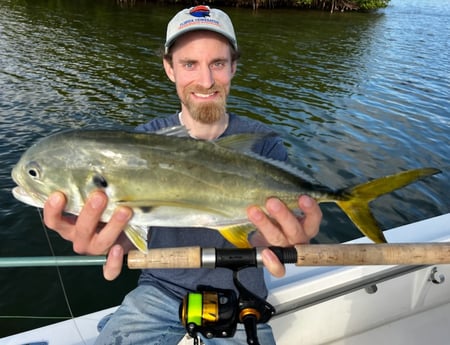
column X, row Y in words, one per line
column 282, row 228
column 87, row 234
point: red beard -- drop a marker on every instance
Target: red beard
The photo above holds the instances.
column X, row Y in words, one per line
column 206, row 112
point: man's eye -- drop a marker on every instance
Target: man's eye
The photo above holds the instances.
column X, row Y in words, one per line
column 218, row 65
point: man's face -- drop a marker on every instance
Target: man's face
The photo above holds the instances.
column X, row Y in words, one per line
column 202, row 70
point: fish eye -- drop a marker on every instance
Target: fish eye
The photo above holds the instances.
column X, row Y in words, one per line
column 100, row 181
column 34, row 170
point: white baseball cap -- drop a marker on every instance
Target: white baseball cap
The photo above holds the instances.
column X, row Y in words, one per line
column 200, row 18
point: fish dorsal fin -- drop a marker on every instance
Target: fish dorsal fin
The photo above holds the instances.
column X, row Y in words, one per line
column 287, row 168
column 243, row 142
column 174, row 131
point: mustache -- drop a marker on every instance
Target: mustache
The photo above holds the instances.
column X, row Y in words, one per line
column 199, row 89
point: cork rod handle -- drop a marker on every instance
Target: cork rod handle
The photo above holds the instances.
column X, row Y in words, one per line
column 373, row 254
column 182, row 257
column 301, row 255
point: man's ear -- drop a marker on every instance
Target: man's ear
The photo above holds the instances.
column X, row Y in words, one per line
column 169, row 70
column 234, row 68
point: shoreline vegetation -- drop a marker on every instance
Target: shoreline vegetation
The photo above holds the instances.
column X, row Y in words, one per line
column 323, row 5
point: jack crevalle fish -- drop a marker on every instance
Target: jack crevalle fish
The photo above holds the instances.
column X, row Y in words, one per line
column 181, row 182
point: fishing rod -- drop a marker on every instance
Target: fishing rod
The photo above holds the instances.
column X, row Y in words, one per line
column 216, row 312
column 234, row 258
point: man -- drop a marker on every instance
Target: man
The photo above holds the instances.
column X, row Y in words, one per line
column 200, row 58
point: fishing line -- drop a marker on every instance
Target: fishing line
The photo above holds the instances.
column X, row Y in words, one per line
column 61, row 282
column 31, row 317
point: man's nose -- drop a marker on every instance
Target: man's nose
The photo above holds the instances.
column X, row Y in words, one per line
column 206, row 77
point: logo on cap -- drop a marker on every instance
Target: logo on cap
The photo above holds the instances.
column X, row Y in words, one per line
column 199, row 11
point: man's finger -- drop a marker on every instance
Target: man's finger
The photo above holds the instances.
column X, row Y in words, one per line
column 273, row 265
column 109, row 234
column 267, row 230
column 114, row 263
column 53, row 216
column 287, row 221
column 313, row 216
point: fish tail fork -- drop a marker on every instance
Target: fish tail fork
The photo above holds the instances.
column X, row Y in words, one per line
column 355, row 201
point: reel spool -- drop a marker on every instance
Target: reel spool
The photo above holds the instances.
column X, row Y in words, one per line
column 211, row 312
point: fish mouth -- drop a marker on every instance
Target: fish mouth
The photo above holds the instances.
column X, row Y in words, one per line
column 21, row 194
column 28, row 198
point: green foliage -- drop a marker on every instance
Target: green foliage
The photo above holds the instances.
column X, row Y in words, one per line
column 371, row 4
column 305, row 3
column 325, row 5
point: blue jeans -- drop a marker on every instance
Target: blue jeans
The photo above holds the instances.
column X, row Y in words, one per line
column 149, row 316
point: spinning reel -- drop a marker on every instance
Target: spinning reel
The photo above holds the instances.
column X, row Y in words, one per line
column 215, row 313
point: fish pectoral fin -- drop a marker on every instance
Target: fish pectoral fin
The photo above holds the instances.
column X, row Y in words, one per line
column 237, row 234
column 138, row 236
column 148, row 205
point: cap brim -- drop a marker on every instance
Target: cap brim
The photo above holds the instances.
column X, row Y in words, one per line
column 168, row 44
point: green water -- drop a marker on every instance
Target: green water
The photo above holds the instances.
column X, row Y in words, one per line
column 356, row 96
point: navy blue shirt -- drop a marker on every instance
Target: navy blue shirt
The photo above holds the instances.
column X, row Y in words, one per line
column 181, row 281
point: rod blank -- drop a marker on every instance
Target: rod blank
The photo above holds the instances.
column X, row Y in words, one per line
column 46, row 261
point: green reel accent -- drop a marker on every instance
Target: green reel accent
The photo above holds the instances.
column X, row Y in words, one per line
column 194, row 308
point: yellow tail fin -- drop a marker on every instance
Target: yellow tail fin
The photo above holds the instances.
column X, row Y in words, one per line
column 355, row 201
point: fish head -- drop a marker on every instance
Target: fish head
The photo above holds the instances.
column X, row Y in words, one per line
column 44, row 168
